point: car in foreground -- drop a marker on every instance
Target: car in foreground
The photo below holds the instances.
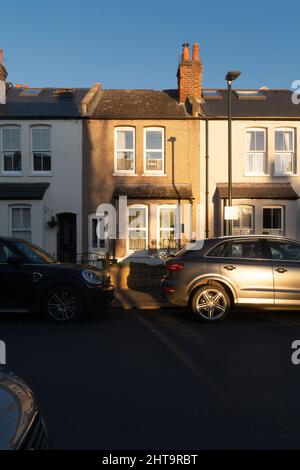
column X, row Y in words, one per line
column 223, row 271
column 21, row 424
column 32, row 281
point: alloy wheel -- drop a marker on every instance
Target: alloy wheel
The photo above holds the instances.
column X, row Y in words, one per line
column 62, row 305
column 211, row 304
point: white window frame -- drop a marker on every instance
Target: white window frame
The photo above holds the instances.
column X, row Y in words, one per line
column 97, row 249
column 23, row 229
column 123, row 172
column 154, row 172
column 284, row 129
column 177, row 223
column 5, row 172
column 272, row 231
column 251, row 230
column 146, row 229
column 39, row 172
column 254, row 152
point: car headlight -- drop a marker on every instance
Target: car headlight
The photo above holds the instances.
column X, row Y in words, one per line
column 93, row 277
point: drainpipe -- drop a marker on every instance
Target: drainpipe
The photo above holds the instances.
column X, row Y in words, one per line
column 206, row 179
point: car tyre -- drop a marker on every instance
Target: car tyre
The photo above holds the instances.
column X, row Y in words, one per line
column 211, row 303
column 62, row 304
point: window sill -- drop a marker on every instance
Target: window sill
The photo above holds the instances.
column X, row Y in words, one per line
column 125, row 174
column 41, row 173
column 256, row 174
column 11, row 173
column 154, row 174
column 284, row 174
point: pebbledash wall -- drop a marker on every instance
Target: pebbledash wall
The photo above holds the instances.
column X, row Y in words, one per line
column 64, row 193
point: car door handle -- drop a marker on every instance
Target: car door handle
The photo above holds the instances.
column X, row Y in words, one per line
column 37, row 277
column 229, row 267
column 281, row 270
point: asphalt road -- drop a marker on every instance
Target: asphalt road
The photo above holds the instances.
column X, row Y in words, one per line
column 162, row 380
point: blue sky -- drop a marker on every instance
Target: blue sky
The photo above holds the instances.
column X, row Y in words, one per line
column 136, row 44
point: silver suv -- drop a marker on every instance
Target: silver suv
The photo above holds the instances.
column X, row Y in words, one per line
column 234, row 270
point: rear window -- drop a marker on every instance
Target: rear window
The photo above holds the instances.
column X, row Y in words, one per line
column 238, row 249
column 285, row 251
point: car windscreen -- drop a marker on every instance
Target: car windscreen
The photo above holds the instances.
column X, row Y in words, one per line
column 33, row 253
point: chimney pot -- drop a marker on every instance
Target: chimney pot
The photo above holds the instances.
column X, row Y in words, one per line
column 196, row 51
column 185, row 51
column 1, row 53
column 189, row 74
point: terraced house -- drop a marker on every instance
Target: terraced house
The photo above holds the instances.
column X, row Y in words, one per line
column 41, row 165
column 266, row 161
column 144, row 144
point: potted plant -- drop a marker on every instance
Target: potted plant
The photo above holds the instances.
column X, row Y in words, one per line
column 52, row 222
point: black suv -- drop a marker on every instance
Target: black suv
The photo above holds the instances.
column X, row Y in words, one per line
column 31, row 281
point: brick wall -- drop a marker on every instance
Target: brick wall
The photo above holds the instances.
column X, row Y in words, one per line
column 136, row 275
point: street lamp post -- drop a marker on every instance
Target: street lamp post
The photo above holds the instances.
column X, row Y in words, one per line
column 230, row 76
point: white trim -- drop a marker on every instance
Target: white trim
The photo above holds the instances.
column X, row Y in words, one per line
column 39, row 172
column 123, row 172
column 256, row 174
column 241, row 229
column 146, row 228
column 23, row 229
column 254, row 152
column 272, row 231
column 154, row 172
column 283, row 152
column 2, row 171
column 177, row 222
column 97, row 249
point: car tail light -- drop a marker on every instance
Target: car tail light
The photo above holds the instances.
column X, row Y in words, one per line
column 168, row 289
column 175, row 266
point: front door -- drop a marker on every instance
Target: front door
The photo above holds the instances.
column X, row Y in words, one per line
column 66, row 238
column 16, row 281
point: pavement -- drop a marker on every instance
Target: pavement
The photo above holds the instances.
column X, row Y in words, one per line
column 160, row 379
column 144, row 298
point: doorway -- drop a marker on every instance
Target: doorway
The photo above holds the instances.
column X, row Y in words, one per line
column 66, row 237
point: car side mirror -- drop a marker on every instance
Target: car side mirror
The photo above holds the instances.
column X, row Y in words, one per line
column 14, row 261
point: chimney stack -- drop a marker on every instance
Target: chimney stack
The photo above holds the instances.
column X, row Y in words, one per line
column 189, row 74
column 3, row 75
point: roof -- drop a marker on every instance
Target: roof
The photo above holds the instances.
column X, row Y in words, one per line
column 46, row 104
column 140, row 104
column 154, row 191
column 258, row 191
column 22, row 191
column 277, row 103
